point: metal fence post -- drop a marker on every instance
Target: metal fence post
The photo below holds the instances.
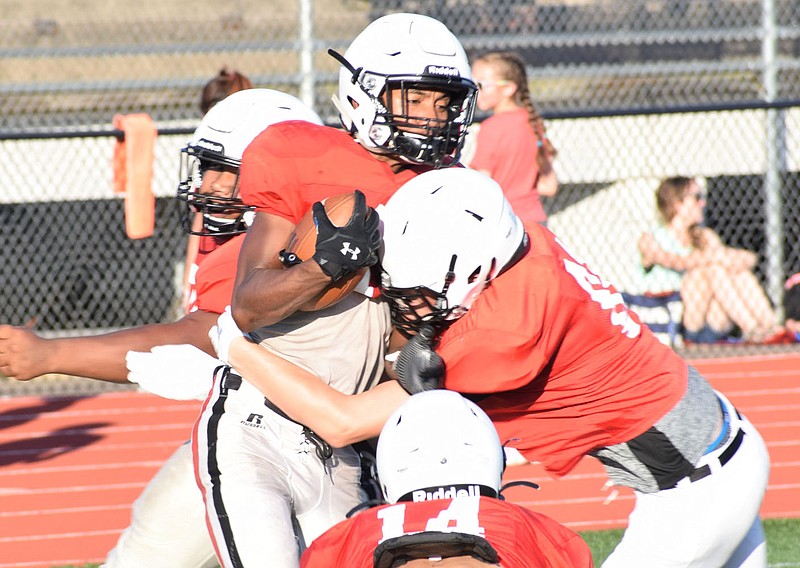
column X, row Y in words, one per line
column 776, row 161
column 306, row 28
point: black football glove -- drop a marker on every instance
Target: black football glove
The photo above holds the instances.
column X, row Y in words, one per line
column 343, row 250
column 419, row 368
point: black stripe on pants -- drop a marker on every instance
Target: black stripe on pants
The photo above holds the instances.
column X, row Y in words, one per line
column 218, row 410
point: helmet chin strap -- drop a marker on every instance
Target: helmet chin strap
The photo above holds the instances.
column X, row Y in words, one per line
column 450, row 276
column 220, row 225
column 408, row 146
column 343, row 112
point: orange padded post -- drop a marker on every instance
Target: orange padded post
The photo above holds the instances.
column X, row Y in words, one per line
column 133, row 172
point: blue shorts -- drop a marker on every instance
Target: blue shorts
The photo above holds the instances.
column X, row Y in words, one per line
column 707, row 334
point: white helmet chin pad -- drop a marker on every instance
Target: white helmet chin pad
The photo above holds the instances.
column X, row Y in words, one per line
column 405, row 51
column 438, row 445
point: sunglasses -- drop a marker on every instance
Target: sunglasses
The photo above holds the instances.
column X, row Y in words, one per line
column 482, row 86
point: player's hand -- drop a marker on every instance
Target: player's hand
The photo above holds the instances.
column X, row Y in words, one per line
column 418, row 367
column 340, row 251
column 23, row 354
column 223, row 334
column 179, row 372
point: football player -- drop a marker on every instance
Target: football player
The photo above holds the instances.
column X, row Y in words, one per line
column 168, row 519
column 440, row 465
column 558, row 363
column 406, row 99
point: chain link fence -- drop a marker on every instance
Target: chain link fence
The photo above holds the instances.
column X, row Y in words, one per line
column 633, row 91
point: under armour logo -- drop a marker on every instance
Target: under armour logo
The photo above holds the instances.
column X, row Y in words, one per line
column 347, row 250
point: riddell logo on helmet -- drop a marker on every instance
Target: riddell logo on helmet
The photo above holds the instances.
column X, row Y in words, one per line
column 442, row 493
column 211, row 145
column 442, row 70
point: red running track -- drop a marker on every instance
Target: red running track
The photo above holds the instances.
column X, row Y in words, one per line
column 70, row 468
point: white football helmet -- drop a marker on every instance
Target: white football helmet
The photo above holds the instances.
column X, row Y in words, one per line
column 218, row 144
column 439, row 445
column 446, row 233
column 403, row 52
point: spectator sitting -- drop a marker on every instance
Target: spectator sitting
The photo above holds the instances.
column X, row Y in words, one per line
column 719, row 289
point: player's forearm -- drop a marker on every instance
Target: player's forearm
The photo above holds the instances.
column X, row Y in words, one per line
column 24, row 355
column 266, row 296
column 102, row 357
column 354, row 418
column 338, row 418
column 266, row 291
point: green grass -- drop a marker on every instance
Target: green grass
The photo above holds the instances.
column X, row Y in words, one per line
column 783, row 544
column 602, row 543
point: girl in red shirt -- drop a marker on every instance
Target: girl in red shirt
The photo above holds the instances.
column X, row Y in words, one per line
column 512, row 145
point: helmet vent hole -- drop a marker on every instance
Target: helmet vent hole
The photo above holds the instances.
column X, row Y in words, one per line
column 478, row 217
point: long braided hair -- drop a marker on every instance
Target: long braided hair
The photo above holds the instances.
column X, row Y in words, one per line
column 510, row 66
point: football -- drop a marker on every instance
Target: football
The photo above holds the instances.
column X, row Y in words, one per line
column 302, row 242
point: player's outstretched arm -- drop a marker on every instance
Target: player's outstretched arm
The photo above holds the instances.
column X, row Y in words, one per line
column 265, row 291
column 24, row 355
column 339, row 418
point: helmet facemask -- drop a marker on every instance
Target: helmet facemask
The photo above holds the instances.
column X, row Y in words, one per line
column 217, row 145
column 427, row 140
column 369, row 113
column 223, row 216
column 411, row 308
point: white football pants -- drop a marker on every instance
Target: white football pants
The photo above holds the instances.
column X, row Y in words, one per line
column 259, row 473
column 168, row 522
column 713, row 521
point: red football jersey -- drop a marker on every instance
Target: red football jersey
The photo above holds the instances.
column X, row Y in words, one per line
column 212, row 287
column 566, row 367
column 284, row 171
column 521, row 537
column 293, row 164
